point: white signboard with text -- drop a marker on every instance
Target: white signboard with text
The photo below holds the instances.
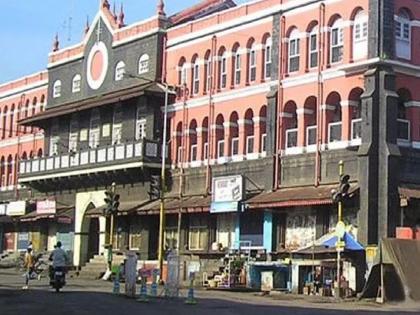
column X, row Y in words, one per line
column 227, row 193
column 3, row 209
column 16, row 208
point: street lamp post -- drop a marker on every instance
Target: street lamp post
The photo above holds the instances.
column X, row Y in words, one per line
column 163, row 167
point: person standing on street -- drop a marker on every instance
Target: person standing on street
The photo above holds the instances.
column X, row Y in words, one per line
column 29, row 262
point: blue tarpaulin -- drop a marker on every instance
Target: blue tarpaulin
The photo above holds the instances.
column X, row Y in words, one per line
column 350, row 242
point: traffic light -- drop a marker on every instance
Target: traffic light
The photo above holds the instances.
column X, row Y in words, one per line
column 344, row 185
column 155, row 187
column 343, row 189
column 112, row 202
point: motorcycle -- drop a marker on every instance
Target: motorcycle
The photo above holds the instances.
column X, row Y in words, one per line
column 58, row 278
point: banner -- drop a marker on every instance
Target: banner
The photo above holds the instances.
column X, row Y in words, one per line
column 16, row 208
column 46, row 207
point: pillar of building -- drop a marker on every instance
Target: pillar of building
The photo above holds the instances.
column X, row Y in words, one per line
column 327, row 115
column 268, row 231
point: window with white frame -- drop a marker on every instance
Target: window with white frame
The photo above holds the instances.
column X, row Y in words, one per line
column 197, row 233
column 194, row 148
column 360, row 35
column 267, row 58
column 249, row 144
column 253, row 64
column 403, row 36
column 119, row 71
column 313, row 48
column 143, row 64
column 183, row 74
column 220, row 148
column 294, row 43
column 57, row 89
column 73, row 134
column 235, row 146
column 95, row 121
column 140, row 124
column 263, row 143
column 180, row 154
column 54, row 138
column 237, row 68
column 206, row 151
column 337, row 41
column 117, row 125
column 223, row 71
column 209, row 70
column 76, row 83
column 196, row 78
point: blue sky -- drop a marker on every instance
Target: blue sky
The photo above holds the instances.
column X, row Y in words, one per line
column 28, row 27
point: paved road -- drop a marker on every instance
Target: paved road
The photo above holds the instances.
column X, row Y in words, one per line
column 87, row 297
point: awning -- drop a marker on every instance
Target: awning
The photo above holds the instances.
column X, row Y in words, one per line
column 409, row 191
column 190, row 204
column 296, row 196
column 64, row 213
column 105, row 99
column 125, row 208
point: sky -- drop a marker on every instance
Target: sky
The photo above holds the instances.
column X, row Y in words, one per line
column 29, row 26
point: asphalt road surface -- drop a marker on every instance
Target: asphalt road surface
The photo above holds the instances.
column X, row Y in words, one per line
column 82, row 297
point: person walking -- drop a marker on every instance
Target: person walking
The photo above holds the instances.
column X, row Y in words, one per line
column 29, row 262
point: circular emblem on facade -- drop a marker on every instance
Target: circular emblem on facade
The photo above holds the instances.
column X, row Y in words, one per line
column 97, row 65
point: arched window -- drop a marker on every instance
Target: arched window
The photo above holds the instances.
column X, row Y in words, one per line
column 12, row 119
column 3, row 171
column 57, row 89
column 222, row 68
column 336, row 41
column 207, row 71
column 267, row 58
column 403, row 35
column 294, row 51
column 4, row 123
column 403, row 121
column 144, row 64
column 236, row 65
column 119, row 71
column 54, row 137
column 313, row 47
column 220, row 136
column 360, row 35
column 195, row 75
column 252, row 62
column 76, row 83
column 192, row 136
column 182, row 72
column 249, row 132
column 10, row 170
column 204, row 138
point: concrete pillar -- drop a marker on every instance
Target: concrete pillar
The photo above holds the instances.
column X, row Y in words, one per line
column 242, row 136
column 237, row 230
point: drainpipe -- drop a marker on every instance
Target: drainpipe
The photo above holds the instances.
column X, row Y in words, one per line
column 164, row 59
column 183, row 139
column 320, row 98
column 210, row 114
column 279, row 127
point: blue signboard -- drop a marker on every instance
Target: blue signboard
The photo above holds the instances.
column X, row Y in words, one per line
column 23, row 240
column 221, row 207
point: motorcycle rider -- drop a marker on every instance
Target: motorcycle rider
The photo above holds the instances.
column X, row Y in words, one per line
column 59, row 260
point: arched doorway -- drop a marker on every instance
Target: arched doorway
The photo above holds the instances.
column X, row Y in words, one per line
column 90, row 235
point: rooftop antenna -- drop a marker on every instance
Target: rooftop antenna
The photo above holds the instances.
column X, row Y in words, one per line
column 70, row 21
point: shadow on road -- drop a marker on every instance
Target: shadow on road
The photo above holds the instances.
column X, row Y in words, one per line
column 43, row 302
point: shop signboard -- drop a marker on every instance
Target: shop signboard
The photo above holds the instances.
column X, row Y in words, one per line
column 47, row 206
column 16, row 208
column 228, row 191
column 3, row 209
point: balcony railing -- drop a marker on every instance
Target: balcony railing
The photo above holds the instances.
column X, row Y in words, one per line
column 334, row 132
column 144, row 150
